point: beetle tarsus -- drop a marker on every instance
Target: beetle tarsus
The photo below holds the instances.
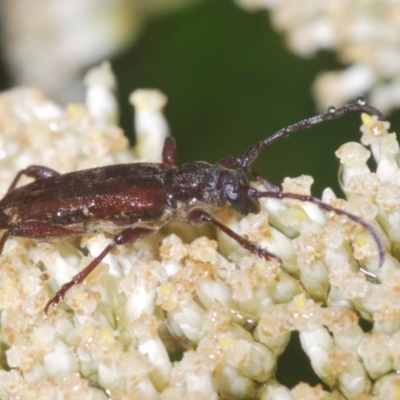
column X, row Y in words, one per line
column 127, row 235
column 59, row 297
column 201, row 215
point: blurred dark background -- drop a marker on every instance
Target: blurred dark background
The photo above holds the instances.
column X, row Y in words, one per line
column 230, row 82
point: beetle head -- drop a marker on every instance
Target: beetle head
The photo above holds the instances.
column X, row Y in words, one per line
column 235, row 189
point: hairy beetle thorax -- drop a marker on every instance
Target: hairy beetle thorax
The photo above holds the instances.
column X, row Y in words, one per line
column 208, row 187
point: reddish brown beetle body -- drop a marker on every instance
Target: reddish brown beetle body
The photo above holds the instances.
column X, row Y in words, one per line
column 136, row 200
column 82, row 199
column 120, row 196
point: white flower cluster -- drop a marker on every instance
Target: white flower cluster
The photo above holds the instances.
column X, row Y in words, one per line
column 51, row 43
column 364, row 34
column 223, row 314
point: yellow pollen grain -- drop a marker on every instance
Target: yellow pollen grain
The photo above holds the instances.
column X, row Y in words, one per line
column 361, row 240
column 366, row 119
column 300, row 302
column 164, row 290
column 80, row 295
column 107, row 335
column 74, row 110
column 96, row 134
column 299, row 212
column 87, row 331
column 8, row 286
column 225, row 341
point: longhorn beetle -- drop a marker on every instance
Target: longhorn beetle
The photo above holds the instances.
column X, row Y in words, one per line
column 136, row 200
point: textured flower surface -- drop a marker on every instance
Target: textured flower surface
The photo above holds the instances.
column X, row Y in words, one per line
column 364, row 34
column 224, row 315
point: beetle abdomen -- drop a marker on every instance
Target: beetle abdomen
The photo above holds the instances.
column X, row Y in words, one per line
column 126, row 193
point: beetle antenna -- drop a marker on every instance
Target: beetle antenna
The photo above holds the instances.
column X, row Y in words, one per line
column 265, row 182
column 252, row 152
column 282, row 195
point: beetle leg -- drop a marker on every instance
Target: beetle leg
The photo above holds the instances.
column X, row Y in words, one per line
column 3, row 239
column 33, row 171
column 36, row 230
column 169, row 152
column 199, row 215
column 127, row 235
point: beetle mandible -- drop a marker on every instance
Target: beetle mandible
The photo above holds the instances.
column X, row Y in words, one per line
column 136, row 200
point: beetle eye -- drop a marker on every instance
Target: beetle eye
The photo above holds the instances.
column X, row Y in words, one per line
column 231, row 192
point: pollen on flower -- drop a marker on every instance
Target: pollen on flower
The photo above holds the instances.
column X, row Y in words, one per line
column 181, row 315
column 373, row 129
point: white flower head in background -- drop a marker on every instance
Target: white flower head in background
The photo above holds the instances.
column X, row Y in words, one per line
column 49, row 44
column 364, row 34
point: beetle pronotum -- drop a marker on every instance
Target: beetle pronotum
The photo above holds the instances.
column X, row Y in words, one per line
column 136, row 200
